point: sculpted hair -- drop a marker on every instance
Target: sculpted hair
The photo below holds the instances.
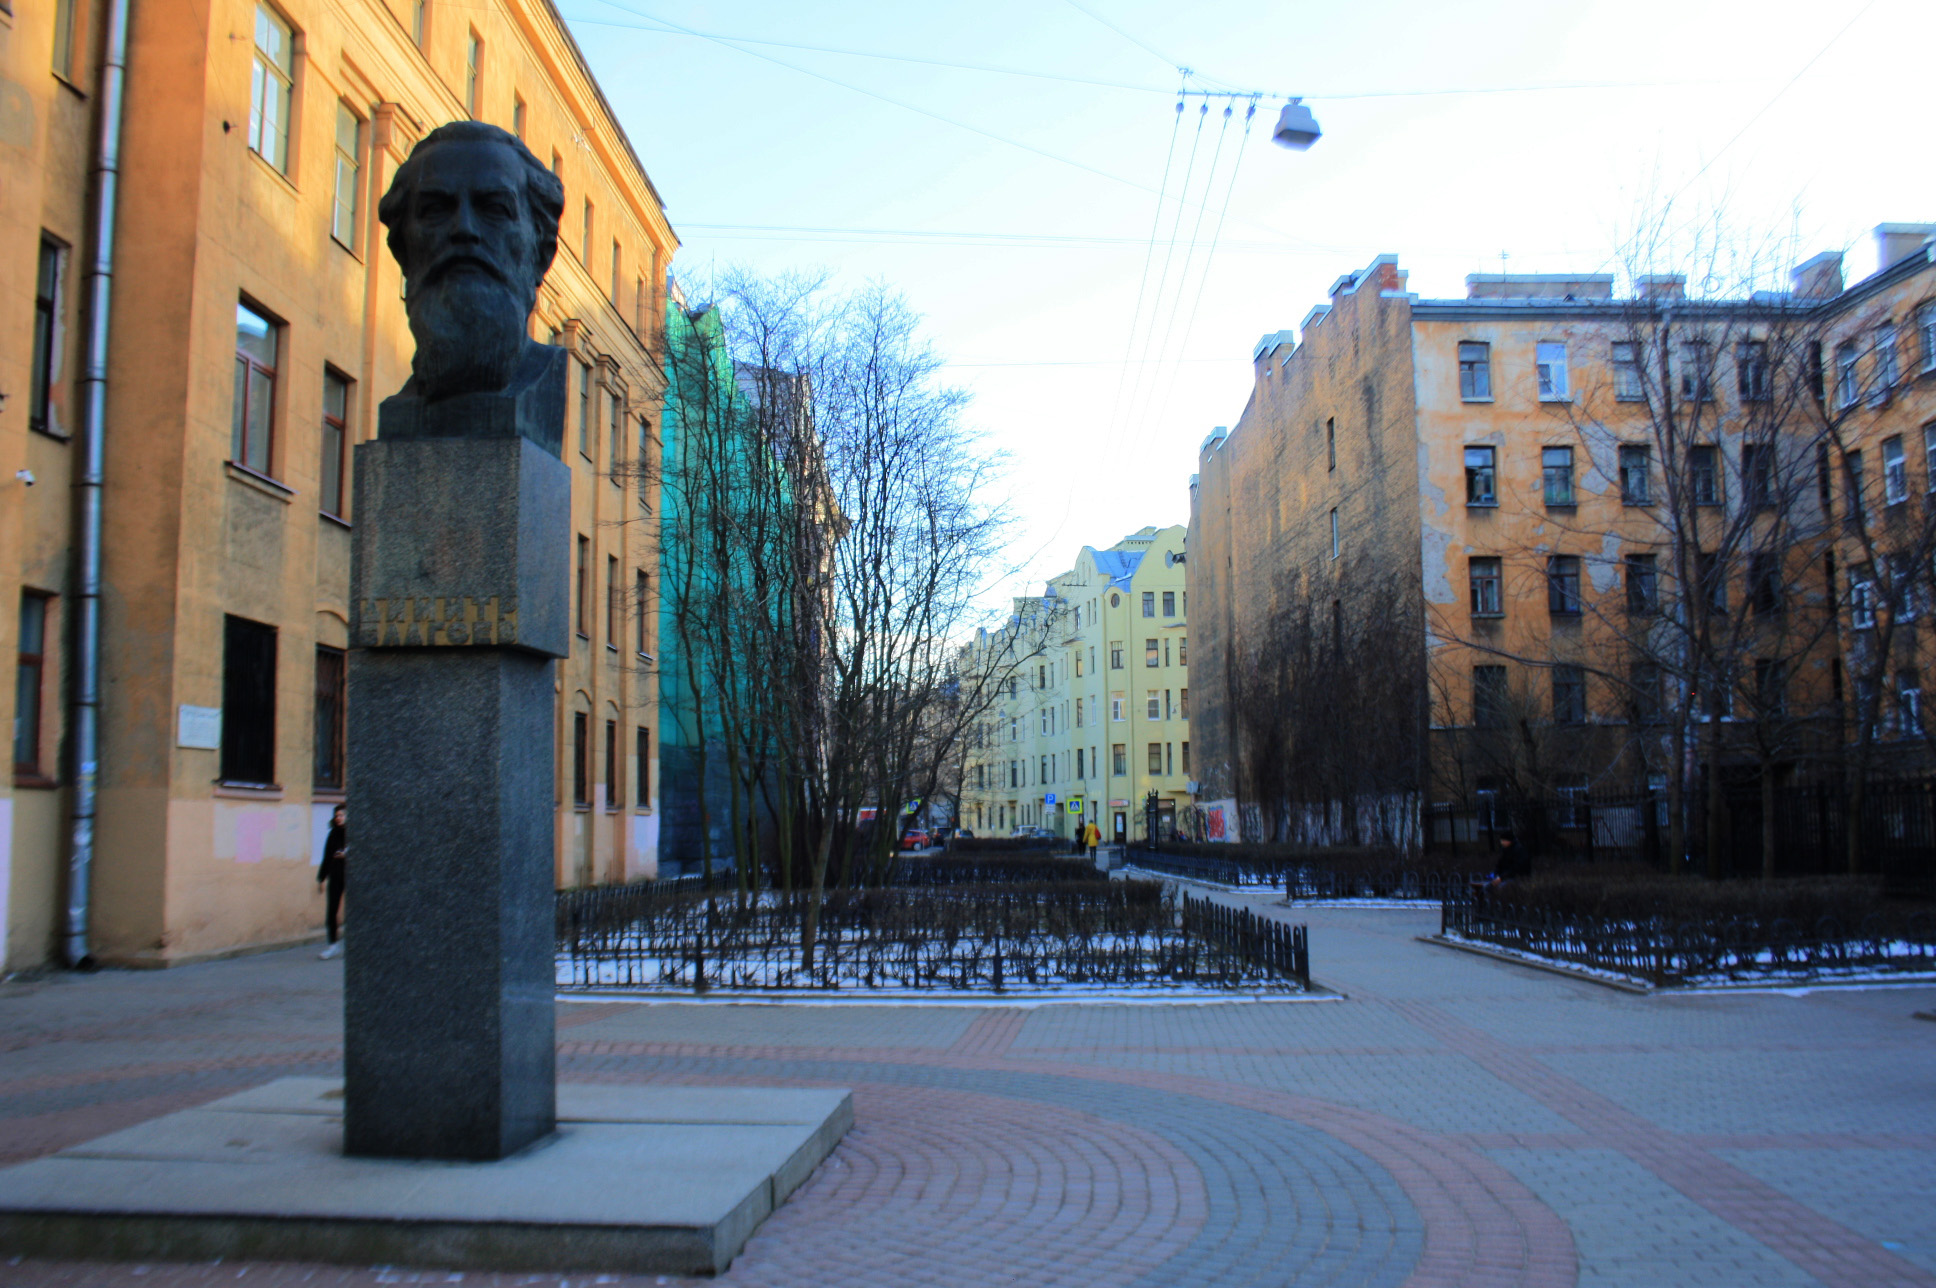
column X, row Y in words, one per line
column 544, row 192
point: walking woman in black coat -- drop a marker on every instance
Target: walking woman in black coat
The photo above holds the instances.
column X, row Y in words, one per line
column 335, row 851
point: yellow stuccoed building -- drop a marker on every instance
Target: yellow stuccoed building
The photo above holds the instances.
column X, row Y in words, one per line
column 1095, row 712
column 255, row 323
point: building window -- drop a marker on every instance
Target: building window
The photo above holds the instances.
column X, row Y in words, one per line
column 1489, row 697
column 252, row 431
column 473, row 73
column 642, row 589
column 1119, row 759
column 1150, row 652
column 1926, row 334
column 1765, row 583
column 1481, row 476
column 1556, row 474
column 1626, row 371
column 1569, row 695
column 1549, row 364
column 30, row 676
column 584, row 587
column 331, row 713
column 1905, row 604
column 614, row 796
column 1156, row 758
column 270, row 86
column 248, row 702
column 1116, row 703
column 336, row 410
column 1758, row 475
column 585, row 247
column 1563, row 585
column 1337, row 537
column 1697, row 371
column 1704, row 475
column 1862, row 596
column 1751, row 370
column 1153, row 707
column 1909, row 702
column 615, row 465
column 1644, row 681
column 1331, row 442
column 1486, row 599
column 642, row 768
column 1186, row 757
column 64, row 17
column 349, row 168
column 47, row 330
column 1475, row 371
column 1182, row 643
column 1895, row 472
column 1081, row 762
column 517, row 116
column 1183, row 704
column 1771, row 687
column 612, row 616
column 1636, row 469
column 1643, row 585
column 1852, row 478
column 1115, row 656
column 1149, row 603
column 1711, row 581
column 1888, row 370
column 1847, row 388
column 581, row 758
column 645, row 480
column 419, row 21
column 585, row 410
column 1169, row 603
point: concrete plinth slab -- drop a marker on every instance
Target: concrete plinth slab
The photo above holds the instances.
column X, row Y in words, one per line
column 667, row 1180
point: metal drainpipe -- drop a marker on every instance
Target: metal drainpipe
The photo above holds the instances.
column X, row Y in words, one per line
column 94, row 394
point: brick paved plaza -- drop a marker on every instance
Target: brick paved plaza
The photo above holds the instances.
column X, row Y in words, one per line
column 1452, row 1120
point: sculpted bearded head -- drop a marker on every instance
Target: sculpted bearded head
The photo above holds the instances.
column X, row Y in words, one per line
column 473, row 223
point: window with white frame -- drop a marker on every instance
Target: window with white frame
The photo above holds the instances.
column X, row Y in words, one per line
column 1116, row 704
column 1929, row 454
column 270, row 86
column 1751, row 370
column 1697, row 370
column 349, row 162
column 1153, row 706
column 1895, row 472
column 1549, row 364
column 1481, row 476
column 1626, row 371
column 1862, row 597
column 1888, row 371
column 1475, row 371
column 1847, row 388
column 1636, row 473
column 1926, row 334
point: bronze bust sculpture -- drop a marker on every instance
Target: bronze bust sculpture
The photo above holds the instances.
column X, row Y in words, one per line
column 473, row 223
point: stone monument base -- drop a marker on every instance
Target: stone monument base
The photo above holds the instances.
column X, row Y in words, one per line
column 666, row 1180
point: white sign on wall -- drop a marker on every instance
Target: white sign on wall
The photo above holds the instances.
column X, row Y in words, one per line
column 199, row 727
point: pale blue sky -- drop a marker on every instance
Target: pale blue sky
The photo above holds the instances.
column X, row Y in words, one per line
column 1810, row 119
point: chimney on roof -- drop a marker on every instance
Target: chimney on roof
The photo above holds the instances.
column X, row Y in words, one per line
column 1819, row 278
column 1661, row 286
column 1897, row 242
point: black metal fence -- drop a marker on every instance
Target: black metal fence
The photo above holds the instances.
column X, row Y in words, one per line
column 998, row 939
column 1281, row 948
column 993, row 869
column 1810, row 830
column 1667, row 951
column 1304, row 877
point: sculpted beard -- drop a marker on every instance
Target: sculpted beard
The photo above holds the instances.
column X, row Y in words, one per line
column 469, row 328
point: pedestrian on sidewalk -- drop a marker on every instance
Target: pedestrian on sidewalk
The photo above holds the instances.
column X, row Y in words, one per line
column 1091, row 835
column 330, row 876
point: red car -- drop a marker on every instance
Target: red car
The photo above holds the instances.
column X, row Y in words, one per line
column 914, row 839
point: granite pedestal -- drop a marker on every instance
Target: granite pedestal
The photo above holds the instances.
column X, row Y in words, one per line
column 665, row 1180
column 460, row 585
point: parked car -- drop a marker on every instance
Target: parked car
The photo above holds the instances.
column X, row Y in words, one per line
column 914, row 839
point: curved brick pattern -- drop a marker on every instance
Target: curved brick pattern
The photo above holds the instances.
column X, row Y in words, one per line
column 1452, row 1121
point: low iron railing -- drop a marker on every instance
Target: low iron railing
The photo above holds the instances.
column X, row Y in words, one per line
column 1115, row 934
column 1282, row 948
column 1668, row 951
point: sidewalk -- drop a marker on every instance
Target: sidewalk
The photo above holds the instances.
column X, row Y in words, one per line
column 1453, row 1121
